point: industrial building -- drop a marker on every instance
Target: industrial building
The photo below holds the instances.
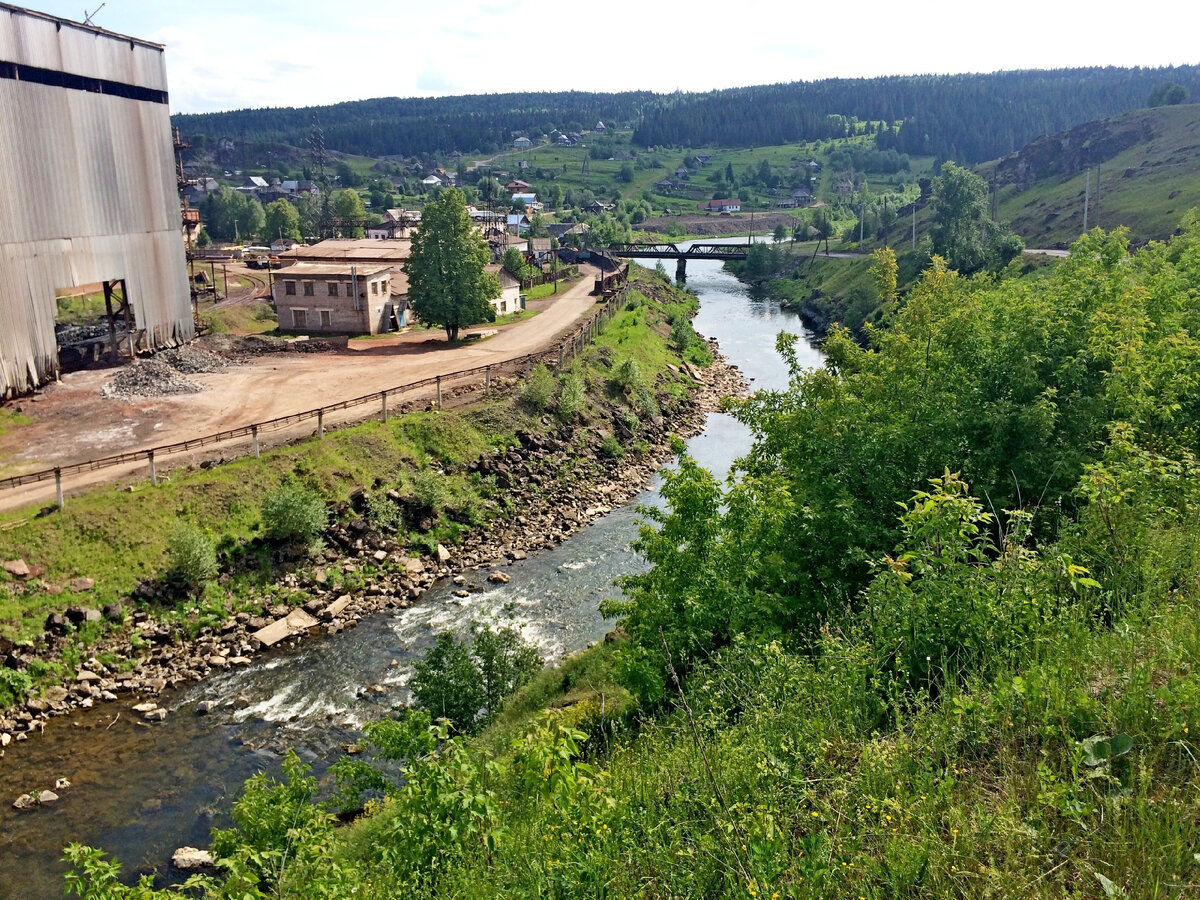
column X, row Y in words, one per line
column 89, row 199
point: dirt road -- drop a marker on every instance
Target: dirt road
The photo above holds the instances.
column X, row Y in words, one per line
column 73, row 422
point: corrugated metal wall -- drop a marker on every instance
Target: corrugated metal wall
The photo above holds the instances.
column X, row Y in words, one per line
column 87, row 191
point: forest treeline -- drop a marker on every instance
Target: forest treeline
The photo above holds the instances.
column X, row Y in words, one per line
column 968, row 117
column 417, row 126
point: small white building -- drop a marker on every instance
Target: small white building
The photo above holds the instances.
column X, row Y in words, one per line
column 509, row 300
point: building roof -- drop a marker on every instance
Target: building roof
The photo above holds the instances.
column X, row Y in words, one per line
column 314, row 270
column 539, row 245
column 338, row 250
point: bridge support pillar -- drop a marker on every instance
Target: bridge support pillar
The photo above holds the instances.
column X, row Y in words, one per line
column 681, row 269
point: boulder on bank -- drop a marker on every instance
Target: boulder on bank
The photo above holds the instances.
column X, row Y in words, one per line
column 190, row 859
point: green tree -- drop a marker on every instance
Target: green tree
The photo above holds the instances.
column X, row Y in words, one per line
column 447, row 284
column 1167, row 94
column 505, row 662
column 781, row 232
column 514, row 263
column 231, row 215
column 448, row 684
column 962, row 232
column 351, row 211
column 282, row 221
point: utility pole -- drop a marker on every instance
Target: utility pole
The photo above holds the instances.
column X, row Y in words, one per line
column 914, row 233
column 1087, row 190
column 1096, row 205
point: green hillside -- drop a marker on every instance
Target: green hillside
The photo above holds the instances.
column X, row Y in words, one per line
column 1145, row 175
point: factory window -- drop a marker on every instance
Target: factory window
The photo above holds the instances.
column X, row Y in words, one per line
column 326, row 318
column 289, row 287
column 308, row 289
column 333, row 289
column 299, row 319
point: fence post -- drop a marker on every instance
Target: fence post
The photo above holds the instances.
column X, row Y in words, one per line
column 321, row 422
column 385, row 406
column 153, row 473
column 487, row 379
column 58, row 486
column 254, row 438
column 439, row 392
column 561, row 349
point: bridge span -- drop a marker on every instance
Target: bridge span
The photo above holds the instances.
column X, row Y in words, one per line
column 669, row 250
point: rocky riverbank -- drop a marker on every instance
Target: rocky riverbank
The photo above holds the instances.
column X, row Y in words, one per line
column 558, row 481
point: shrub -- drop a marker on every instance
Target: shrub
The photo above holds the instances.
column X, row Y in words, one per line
column 382, row 513
column 538, row 389
column 611, row 447
column 628, row 375
column 571, row 397
column 14, row 685
column 191, row 559
column 293, row 513
column 428, row 491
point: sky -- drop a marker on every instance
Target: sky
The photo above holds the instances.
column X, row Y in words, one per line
column 223, row 54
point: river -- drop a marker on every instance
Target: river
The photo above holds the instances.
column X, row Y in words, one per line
column 141, row 791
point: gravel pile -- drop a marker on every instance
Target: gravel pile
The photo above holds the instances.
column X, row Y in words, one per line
column 192, row 360
column 149, row 378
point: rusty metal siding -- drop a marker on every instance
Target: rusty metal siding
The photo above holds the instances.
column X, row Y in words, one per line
column 87, row 191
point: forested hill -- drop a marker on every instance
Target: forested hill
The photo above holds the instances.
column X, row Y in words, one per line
column 420, row 125
column 969, row 118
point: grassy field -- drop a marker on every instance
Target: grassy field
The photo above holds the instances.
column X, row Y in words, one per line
column 258, row 318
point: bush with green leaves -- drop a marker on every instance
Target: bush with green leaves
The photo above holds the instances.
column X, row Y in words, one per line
column 294, row 514
column 191, row 559
column 383, row 514
column 466, row 682
column 572, row 396
column 611, row 447
column 14, row 686
column 428, row 491
column 538, row 390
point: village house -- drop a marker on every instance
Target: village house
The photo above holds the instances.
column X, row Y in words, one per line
column 539, row 250
column 666, row 186
column 529, row 201
column 522, row 143
column 721, row 206
column 517, row 223
column 509, row 300
column 397, row 223
column 334, row 298
column 803, row 196
column 516, row 186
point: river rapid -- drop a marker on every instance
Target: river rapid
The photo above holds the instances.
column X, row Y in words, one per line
column 140, row 791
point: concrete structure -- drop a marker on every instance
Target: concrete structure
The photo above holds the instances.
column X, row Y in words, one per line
column 334, row 298
column 90, row 191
